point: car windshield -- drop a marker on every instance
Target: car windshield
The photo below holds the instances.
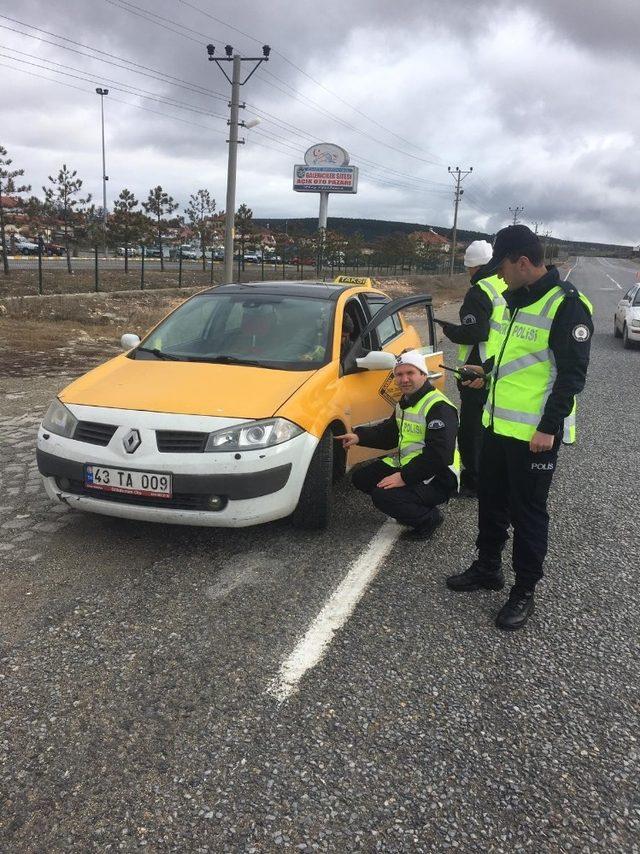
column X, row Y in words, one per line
column 285, row 332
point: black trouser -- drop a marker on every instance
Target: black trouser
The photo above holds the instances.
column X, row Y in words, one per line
column 472, row 401
column 513, row 488
column 409, row 505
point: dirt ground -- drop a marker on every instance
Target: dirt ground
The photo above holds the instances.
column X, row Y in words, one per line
column 73, row 332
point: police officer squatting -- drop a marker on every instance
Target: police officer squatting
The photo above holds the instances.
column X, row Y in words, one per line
column 537, row 367
column 476, row 335
column 423, row 471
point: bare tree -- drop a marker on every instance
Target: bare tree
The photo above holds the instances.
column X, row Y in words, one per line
column 8, row 186
column 61, row 201
column 200, row 215
column 160, row 205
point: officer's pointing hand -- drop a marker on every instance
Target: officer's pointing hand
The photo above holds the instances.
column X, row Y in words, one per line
column 348, row 439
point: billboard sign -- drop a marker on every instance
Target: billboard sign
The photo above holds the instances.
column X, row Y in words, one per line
column 326, row 154
column 325, row 179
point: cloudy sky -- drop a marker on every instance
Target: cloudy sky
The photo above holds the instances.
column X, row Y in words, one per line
column 541, row 98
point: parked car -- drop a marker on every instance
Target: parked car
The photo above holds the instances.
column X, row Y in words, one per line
column 53, row 249
column 626, row 320
column 154, row 252
column 133, row 251
column 225, row 413
column 26, row 247
column 189, row 253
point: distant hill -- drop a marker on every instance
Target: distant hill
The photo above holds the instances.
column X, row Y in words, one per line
column 372, row 229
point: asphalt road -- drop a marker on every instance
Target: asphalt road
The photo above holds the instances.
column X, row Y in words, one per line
column 136, row 663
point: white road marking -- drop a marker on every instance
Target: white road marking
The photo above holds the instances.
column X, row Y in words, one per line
column 614, row 282
column 570, row 271
column 334, row 614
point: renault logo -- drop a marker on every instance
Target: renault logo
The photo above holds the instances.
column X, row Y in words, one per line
column 132, row 441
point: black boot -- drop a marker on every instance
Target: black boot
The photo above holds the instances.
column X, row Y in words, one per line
column 482, row 574
column 516, row 610
column 428, row 528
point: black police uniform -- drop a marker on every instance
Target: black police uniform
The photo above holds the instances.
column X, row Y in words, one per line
column 514, row 482
column 475, row 314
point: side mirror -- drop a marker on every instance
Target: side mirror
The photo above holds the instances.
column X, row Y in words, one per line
column 129, row 340
column 377, row 360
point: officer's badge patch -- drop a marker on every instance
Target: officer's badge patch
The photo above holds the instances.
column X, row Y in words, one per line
column 469, row 319
column 436, row 424
column 581, row 332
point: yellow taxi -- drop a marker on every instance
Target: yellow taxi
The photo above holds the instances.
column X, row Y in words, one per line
column 225, row 413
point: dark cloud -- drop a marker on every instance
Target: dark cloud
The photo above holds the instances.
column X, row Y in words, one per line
column 538, row 97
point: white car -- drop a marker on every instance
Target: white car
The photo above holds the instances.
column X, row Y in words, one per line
column 626, row 320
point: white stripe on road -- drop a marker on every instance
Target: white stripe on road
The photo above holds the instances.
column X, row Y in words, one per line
column 570, row 272
column 334, row 614
column 614, row 282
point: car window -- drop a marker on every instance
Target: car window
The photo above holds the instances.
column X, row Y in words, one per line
column 636, row 299
column 629, row 294
column 291, row 333
column 391, row 326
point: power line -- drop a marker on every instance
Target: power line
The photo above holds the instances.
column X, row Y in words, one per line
column 293, row 94
column 177, row 81
column 306, row 74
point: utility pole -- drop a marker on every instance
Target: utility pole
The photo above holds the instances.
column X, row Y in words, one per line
column 105, row 177
column 515, row 211
column 546, row 236
column 458, row 176
column 234, row 124
column 535, row 226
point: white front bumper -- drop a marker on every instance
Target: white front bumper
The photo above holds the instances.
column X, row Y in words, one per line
column 295, row 453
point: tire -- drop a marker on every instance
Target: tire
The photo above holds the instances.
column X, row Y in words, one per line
column 314, row 507
column 616, row 331
column 626, row 343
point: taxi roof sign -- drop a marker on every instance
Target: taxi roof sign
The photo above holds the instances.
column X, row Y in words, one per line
column 353, row 280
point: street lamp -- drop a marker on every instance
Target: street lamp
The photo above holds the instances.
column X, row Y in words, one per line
column 105, row 177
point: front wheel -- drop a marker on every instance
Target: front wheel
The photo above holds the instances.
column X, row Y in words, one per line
column 314, row 507
column 626, row 342
column 616, row 331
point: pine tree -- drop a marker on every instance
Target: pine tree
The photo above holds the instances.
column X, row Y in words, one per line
column 160, row 205
column 61, row 202
column 8, row 187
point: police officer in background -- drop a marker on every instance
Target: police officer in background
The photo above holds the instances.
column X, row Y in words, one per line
column 480, row 318
column 423, row 472
column 539, row 367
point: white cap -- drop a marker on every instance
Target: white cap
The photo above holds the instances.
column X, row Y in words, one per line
column 412, row 357
column 478, row 253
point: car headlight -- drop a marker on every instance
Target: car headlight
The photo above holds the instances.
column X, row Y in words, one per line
column 253, row 435
column 635, row 323
column 59, row 420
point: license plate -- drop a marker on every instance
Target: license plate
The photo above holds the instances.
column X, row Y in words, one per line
column 145, row 483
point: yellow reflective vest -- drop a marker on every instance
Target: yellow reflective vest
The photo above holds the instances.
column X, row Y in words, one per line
column 412, row 431
column 524, row 370
column 494, row 287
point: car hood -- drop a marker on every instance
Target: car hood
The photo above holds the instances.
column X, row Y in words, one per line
column 186, row 388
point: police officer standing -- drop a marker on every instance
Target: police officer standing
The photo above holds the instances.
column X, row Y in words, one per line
column 423, row 472
column 480, row 317
column 538, row 369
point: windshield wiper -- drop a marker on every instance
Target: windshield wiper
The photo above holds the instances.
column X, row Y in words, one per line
column 228, row 360
column 160, row 354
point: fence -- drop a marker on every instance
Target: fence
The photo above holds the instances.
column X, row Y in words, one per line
column 94, row 271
